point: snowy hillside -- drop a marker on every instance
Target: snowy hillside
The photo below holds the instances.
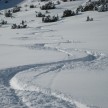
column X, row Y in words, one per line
column 53, row 58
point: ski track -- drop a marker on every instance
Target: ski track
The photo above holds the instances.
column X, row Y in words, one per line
column 12, row 98
column 43, row 100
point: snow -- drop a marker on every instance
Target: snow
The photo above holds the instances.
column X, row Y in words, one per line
column 53, row 65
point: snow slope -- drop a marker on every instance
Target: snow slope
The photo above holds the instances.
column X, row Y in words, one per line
column 54, row 65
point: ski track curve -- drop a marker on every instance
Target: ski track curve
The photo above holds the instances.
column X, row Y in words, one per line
column 13, row 101
column 43, row 98
column 12, row 98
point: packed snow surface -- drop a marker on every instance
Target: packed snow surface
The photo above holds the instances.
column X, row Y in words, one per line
column 53, row 65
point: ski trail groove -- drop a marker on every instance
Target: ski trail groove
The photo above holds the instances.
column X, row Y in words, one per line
column 11, row 97
column 52, row 69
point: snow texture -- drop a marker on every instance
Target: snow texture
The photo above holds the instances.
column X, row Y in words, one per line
column 62, row 64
